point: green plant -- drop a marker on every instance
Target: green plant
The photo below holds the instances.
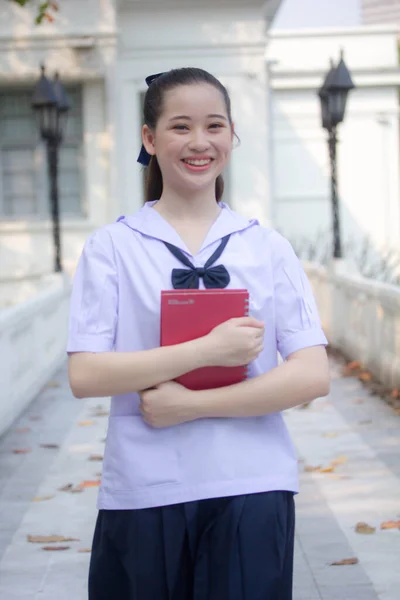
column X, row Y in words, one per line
column 45, row 10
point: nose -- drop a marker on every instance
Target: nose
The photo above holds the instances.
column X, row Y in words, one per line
column 199, row 140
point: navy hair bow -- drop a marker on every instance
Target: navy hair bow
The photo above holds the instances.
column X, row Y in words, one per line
column 213, row 277
column 144, row 157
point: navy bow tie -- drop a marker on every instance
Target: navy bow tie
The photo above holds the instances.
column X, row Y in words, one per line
column 213, row 277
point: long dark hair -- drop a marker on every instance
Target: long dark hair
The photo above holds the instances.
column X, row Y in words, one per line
column 153, row 107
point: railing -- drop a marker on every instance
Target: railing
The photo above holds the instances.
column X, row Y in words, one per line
column 32, row 347
column 361, row 317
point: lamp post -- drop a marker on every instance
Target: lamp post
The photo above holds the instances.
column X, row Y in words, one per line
column 51, row 106
column 333, row 96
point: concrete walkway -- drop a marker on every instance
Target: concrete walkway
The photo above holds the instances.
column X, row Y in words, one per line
column 352, row 438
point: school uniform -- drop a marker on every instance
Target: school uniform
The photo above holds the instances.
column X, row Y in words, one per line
column 202, row 510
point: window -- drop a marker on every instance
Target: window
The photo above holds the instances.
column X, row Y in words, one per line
column 24, row 189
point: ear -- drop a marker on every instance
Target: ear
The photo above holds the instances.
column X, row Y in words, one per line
column 148, row 140
column 233, row 130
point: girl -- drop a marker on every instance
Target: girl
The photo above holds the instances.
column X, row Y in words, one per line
column 196, row 500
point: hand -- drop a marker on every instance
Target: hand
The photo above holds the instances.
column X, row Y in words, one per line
column 166, row 405
column 236, row 342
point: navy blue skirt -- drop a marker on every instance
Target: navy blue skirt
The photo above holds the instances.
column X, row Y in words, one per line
column 236, row 548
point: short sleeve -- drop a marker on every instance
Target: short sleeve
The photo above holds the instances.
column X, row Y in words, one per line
column 94, row 298
column 297, row 322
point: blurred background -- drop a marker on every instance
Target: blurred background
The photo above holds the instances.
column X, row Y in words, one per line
column 315, row 93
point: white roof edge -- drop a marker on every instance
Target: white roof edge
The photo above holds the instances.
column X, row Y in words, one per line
column 334, row 31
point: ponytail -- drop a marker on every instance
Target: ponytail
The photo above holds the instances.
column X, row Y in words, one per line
column 154, row 182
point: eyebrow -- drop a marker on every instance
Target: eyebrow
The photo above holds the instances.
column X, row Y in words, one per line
column 179, row 117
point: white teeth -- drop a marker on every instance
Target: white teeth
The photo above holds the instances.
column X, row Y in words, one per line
column 198, row 163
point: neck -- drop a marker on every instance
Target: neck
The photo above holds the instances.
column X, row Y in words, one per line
column 177, row 205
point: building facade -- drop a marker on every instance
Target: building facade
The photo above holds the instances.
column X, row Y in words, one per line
column 103, row 54
column 368, row 147
column 380, row 12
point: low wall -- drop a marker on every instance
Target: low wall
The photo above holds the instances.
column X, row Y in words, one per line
column 32, row 346
column 361, row 317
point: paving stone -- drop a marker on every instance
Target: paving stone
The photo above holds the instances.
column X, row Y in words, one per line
column 327, row 507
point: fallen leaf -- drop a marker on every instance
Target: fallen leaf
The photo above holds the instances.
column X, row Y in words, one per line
column 84, row 550
column 86, row 484
column 77, row 490
column 396, row 411
column 50, row 446
column 330, row 434
column 43, row 498
column 311, row 469
column 22, row 451
column 329, row 469
column 53, row 384
column 365, row 376
column 340, row 460
column 55, row 548
column 22, row 430
column 305, row 405
column 364, row 528
column 395, row 393
column 355, row 364
column 345, row 561
column 66, row 488
column 99, row 474
column 50, row 539
column 95, row 457
column 365, row 422
column 85, row 423
column 101, row 413
column 390, row 525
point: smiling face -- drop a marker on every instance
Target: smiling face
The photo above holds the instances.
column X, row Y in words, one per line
column 193, row 137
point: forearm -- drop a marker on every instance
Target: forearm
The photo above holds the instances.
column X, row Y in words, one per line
column 112, row 373
column 290, row 384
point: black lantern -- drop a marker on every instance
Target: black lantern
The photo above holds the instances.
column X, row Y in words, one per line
column 51, row 107
column 333, row 96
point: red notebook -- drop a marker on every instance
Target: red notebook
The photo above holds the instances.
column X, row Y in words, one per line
column 189, row 314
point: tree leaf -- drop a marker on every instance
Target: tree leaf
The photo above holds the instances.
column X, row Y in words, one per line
column 88, row 483
column 101, row 413
column 43, row 498
column 52, row 384
column 390, row 525
column 364, row 528
column 345, row 561
column 329, row 469
column 365, row 376
column 50, row 539
column 66, row 488
column 98, row 457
